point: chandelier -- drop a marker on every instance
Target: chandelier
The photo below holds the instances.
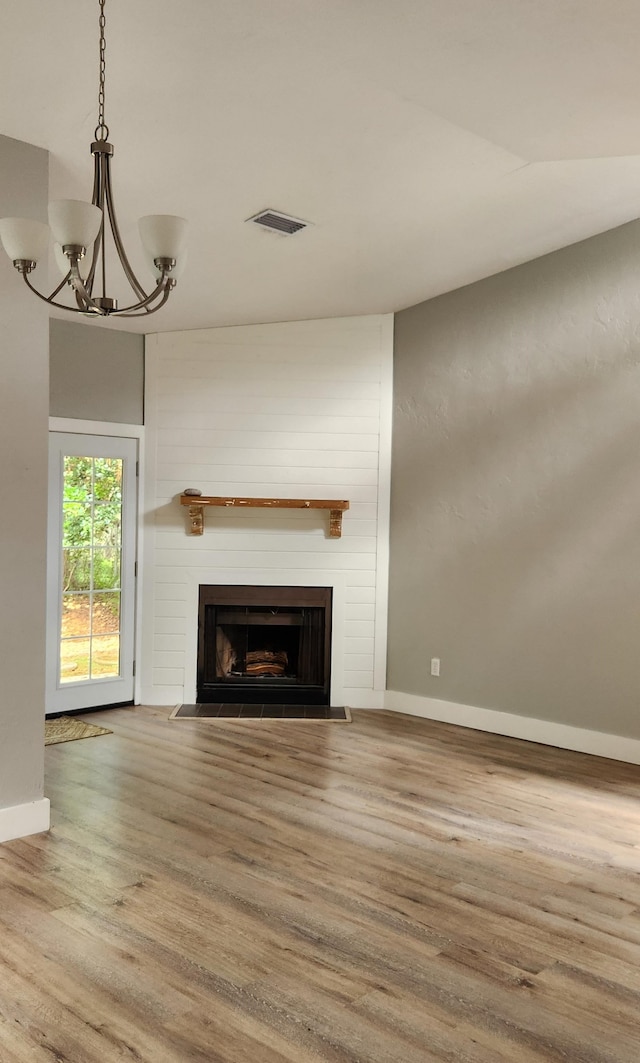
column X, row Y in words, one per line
column 79, row 230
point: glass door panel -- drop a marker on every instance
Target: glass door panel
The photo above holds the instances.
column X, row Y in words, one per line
column 92, row 523
column 91, row 559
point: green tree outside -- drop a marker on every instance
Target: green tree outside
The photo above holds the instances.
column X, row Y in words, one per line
column 92, row 512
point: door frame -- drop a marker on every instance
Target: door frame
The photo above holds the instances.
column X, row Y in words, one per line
column 78, row 426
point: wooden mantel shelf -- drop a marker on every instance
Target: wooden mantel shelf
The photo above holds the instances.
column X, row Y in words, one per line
column 197, row 503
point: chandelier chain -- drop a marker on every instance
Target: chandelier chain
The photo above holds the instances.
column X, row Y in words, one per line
column 102, row 129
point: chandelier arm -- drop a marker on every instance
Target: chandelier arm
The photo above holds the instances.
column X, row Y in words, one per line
column 83, row 297
column 122, row 255
column 163, row 285
column 87, row 305
column 151, row 310
column 59, row 288
column 103, row 258
column 94, row 262
column 97, row 198
column 99, row 244
column 49, row 301
column 82, row 306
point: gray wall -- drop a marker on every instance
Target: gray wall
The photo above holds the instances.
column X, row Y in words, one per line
column 97, row 374
column 515, row 535
column 24, row 400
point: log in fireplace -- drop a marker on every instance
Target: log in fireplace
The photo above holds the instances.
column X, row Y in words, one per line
column 269, row 645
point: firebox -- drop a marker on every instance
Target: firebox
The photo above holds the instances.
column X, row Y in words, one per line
column 269, row 645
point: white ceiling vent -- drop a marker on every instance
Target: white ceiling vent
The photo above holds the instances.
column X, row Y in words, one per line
column 278, row 223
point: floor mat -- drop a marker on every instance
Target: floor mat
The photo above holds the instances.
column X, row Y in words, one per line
column 70, row 729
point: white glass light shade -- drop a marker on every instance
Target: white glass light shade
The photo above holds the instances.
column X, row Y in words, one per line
column 163, row 235
column 62, row 262
column 73, row 221
column 24, row 238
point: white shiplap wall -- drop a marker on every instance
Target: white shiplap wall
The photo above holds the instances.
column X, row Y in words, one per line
column 300, row 409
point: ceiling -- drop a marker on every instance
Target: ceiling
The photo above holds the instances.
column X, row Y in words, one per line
column 429, row 143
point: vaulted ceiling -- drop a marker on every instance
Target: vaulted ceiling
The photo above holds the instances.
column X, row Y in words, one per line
column 430, row 143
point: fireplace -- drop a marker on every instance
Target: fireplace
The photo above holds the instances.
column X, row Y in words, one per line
column 269, row 645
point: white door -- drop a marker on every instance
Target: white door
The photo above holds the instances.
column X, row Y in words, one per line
column 90, row 571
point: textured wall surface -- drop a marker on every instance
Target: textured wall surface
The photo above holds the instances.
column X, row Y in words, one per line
column 96, row 374
column 23, row 487
column 294, row 410
column 515, row 532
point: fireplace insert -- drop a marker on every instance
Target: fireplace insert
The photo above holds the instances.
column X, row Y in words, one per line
column 269, row 645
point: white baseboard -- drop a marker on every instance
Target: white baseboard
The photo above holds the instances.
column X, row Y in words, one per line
column 363, row 699
column 615, row 747
column 18, row 821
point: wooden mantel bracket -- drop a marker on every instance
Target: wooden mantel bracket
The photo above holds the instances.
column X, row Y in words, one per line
column 196, row 505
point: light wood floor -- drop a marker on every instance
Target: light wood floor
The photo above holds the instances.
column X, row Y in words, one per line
column 386, row 891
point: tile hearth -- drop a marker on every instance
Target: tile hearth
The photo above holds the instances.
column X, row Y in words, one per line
column 216, row 710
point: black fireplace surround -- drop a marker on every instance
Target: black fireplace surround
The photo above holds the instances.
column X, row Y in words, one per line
column 264, row 645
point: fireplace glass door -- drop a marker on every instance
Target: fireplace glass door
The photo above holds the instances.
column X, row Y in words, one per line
column 264, row 644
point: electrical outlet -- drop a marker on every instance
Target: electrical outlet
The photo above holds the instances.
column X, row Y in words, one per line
column 435, row 666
